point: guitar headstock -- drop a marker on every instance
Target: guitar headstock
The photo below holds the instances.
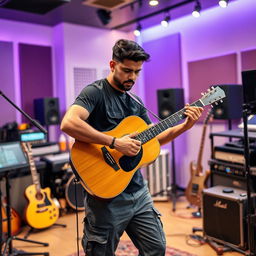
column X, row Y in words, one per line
column 213, row 95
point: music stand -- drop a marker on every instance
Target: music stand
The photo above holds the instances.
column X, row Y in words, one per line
column 12, row 158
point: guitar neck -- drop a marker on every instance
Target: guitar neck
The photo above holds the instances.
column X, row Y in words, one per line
column 200, row 154
column 34, row 174
column 168, row 122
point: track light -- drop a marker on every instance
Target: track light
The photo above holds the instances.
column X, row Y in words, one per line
column 153, row 2
column 223, row 3
column 136, row 32
column 165, row 21
column 197, row 9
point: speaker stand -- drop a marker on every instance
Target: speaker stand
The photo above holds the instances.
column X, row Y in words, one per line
column 173, row 189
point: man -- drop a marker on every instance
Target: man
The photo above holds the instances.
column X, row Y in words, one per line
column 101, row 106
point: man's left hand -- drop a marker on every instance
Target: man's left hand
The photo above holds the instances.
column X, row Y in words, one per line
column 193, row 114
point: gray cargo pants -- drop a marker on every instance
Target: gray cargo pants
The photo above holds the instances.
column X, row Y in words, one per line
column 106, row 220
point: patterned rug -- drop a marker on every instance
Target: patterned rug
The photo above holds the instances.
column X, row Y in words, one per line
column 126, row 248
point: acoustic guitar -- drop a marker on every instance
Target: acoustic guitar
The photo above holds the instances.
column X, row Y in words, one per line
column 105, row 172
column 198, row 178
column 41, row 211
column 14, row 218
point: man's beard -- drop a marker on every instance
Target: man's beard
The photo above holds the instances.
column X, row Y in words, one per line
column 122, row 86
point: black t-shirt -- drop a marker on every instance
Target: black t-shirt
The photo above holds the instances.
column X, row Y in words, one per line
column 108, row 107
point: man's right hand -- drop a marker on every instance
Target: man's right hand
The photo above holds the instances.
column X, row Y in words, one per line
column 128, row 145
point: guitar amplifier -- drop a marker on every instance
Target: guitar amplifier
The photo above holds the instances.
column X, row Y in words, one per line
column 224, row 215
column 233, row 154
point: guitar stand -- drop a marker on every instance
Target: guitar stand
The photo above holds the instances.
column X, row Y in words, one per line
column 32, row 229
column 196, row 214
column 10, row 238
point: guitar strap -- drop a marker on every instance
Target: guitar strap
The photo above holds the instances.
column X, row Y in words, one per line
column 157, row 117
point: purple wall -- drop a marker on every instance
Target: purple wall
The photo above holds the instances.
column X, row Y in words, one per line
column 35, row 74
column 8, row 113
column 248, row 59
column 163, row 71
column 223, row 70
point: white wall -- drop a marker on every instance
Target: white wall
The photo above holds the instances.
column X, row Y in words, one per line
column 87, row 47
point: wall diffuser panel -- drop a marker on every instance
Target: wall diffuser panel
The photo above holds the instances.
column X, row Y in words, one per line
column 248, row 59
column 164, row 68
column 35, row 74
column 7, row 82
column 212, row 71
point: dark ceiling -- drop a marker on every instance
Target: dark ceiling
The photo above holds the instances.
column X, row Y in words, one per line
column 73, row 11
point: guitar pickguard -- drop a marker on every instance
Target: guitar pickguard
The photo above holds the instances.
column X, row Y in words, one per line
column 128, row 163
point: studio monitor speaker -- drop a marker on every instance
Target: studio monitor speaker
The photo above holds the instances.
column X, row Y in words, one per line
column 224, row 215
column 46, row 111
column 169, row 101
column 249, row 85
column 231, row 107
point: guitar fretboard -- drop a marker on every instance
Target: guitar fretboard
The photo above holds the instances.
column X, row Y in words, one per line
column 168, row 122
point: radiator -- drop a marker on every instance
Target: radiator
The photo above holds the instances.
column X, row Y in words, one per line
column 158, row 176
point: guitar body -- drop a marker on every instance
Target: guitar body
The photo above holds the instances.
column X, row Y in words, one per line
column 105, row 172
column 15, row 221
column 196, row 184
column 41, row 211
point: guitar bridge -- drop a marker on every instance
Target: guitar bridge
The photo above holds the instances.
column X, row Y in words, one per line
column 109, row 159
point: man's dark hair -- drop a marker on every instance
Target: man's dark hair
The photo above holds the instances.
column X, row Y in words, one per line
column 127, row 49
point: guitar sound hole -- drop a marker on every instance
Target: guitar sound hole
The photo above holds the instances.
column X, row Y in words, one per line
column 128, row 163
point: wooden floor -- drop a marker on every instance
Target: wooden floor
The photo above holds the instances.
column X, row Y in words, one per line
column 177, row 226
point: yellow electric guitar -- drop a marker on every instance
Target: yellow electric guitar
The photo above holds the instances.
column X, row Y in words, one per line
column 198, row 178
column 106, row 172
column 41, row 211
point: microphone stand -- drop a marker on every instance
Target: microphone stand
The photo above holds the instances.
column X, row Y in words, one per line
column 249, row 109
column 8, row 208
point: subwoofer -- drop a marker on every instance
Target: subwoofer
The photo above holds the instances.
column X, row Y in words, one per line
column 224, row 215
column 169, row 101
column 46, row 111
column 231, row 108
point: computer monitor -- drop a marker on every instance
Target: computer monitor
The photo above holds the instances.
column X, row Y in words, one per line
column 12, row 156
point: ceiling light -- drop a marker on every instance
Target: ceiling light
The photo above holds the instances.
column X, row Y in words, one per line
column 153, row 2
column 136, row 32
column 223, row 3
column 165, row 21
column 197, row 9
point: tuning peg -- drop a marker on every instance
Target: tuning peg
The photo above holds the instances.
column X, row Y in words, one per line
column 211, row 106
column 221, row 101
column 216, row 103
column 202, row 93
column 208, row 90
column 212, row 87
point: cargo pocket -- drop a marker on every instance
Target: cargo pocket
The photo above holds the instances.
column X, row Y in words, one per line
column 160, row 224
column 95, row 242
